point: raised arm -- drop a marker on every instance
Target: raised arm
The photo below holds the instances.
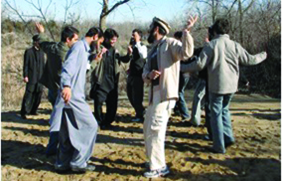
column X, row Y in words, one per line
column 142, row 49
column 185, row 50
column 45, row 44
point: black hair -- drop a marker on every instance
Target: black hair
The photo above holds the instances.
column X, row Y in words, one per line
column 140, row 33
column 178, row 35
column 110, row 33
column 221, row 26
column 94, row 31
column 35, row 38
column 68, row 32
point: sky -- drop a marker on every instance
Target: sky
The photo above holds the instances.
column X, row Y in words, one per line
column 136, row 10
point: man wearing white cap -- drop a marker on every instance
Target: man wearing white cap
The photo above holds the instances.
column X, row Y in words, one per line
column 162, row 72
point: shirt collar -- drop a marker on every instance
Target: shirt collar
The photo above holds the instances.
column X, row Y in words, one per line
column 222, row 35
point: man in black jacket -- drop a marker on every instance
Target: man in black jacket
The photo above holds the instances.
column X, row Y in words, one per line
column 106, row 85
column 32, row 72
column 135, row 84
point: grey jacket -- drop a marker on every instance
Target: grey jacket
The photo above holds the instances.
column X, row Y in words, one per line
column 222, row 57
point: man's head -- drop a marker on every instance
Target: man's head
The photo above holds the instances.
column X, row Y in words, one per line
column 158, row 28
column 221, row 26
column 178, row 35
column 100, row 39
column 111, row 37
column 94, row 33
column 137, row 35
column 69, row 35
column 35, row 41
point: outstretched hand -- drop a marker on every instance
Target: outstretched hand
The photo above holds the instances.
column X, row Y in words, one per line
column 191, row 21
column 39, row 27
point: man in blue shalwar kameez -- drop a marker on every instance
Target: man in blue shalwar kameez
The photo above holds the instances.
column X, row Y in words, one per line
column 78, row 127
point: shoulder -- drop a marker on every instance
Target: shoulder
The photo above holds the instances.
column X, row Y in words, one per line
column 76, row 46
column 29, row 50
column 173, row 41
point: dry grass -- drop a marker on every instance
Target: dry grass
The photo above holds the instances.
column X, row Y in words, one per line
column 13, row 46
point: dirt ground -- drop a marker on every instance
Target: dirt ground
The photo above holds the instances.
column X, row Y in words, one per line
column 119, row 153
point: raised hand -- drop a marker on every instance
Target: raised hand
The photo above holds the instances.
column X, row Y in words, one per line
column 129, row 49
column 191, row 21
column 39, row 27
column 100, row 54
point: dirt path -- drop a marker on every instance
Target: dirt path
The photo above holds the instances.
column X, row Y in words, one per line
column 119, row 153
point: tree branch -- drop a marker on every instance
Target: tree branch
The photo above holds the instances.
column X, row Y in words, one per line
column 43, row 15
column 234, row 2
column 19, row 15
column 250, row 5
column 113, row 8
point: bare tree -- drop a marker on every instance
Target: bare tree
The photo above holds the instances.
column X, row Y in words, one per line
column 43, row 13
column 106, row 11
column 70, row 16
column 14, row 8
column 242, row 11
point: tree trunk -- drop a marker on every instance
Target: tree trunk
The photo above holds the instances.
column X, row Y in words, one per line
column 240, row 22
column 103, row 16
column 213, row 11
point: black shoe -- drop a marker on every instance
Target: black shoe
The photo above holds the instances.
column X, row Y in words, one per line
column 229, row 144
column 62, row 170
column 85, row 169
column 106, row 127
column 209, row 149
column 23, row 116
column 50, row 152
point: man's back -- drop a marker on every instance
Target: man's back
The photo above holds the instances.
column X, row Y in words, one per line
column 56, row 53
column 225, row 56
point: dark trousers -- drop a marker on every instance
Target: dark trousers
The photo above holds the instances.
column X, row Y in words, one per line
column 52, row 96
column 208, row 112
column 66, row 150
column 53, row 143
column 31, row 99
column 111, row 99
column 135, row 92
column 181, row 103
